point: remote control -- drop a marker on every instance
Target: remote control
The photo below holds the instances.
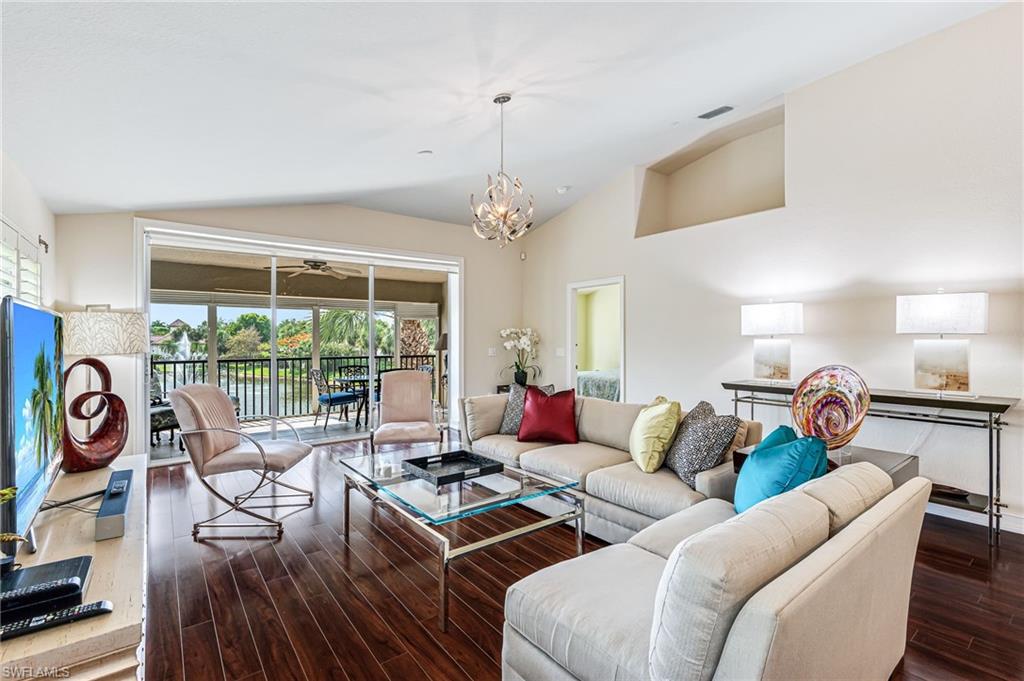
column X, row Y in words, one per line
column 118, row 487
column 54, row 619
column 43, row 591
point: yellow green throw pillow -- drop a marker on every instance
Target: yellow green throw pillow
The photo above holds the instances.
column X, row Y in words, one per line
column 652, row 433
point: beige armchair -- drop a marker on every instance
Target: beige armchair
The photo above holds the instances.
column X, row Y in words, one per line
column 216, row 444
column 406, row 411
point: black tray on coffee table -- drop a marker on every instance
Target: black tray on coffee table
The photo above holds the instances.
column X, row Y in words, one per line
column 455, row 466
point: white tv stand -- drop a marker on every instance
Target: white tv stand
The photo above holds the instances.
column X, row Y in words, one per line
column 105, row 647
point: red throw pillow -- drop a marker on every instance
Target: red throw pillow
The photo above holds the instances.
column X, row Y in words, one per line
column 549, row 418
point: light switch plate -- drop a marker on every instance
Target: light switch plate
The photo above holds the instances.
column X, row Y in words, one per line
column 559, row 352
column 492, row 352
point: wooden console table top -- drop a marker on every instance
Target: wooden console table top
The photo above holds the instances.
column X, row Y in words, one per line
column 100, row 647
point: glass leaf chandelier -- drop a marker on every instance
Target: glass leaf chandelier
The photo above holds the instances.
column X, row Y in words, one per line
column 503, row 215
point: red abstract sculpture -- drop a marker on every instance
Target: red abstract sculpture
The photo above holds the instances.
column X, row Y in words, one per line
column 102, row 446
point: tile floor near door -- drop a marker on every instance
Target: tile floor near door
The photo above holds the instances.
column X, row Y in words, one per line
column 315, row 606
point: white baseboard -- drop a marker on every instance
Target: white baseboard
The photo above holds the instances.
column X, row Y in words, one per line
column 1010, row 523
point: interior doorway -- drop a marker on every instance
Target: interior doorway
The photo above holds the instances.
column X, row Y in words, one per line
column 596, row 326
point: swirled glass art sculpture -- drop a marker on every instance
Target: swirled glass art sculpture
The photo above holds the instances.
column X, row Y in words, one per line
column 831, row 403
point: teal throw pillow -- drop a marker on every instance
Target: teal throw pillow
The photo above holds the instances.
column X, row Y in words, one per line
column 779, row 436
column 783, row 465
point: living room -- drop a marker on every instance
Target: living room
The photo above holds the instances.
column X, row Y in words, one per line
column 804, row 225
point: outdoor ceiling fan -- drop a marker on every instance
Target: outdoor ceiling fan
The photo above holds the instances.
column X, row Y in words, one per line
column 319, row 267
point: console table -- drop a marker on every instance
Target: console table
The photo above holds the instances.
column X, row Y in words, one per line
column 972, row 412
column 900, row 467
column 105, row 647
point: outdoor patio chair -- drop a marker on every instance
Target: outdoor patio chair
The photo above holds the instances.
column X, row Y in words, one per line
column 331, row 395
column 406, row 411
column 216, row 444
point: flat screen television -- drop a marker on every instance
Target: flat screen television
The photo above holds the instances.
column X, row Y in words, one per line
column 31, row 409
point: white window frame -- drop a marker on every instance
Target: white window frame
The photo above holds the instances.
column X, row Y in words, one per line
column 29, row 289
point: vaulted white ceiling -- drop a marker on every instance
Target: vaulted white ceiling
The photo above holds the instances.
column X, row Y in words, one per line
column 130, row 106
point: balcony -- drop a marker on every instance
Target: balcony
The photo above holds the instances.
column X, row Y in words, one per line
column 251, row 382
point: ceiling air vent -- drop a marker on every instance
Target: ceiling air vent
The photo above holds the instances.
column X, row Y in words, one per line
column 715, row 112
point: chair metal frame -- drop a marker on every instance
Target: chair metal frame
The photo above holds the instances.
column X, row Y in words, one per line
column 322, row 384
column 267, row 477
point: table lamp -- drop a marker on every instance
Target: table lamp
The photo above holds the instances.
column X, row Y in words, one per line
column 98, row 331
column 772, row 355
column 942, row 365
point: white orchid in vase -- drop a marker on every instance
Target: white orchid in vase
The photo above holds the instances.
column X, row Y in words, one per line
column 523, row 343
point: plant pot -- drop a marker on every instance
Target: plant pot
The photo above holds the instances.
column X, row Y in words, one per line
column 521, row 378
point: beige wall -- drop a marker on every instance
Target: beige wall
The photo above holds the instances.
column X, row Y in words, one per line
column 96, row 265
column 903, row 174
column 744, row 176
column 26, row 212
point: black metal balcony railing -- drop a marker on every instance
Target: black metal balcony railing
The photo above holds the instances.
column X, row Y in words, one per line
column 248, row 379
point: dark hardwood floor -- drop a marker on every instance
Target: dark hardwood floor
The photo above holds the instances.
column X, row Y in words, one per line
column 313, row 606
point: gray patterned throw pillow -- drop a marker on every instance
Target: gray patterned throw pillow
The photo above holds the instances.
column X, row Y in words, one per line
column 701, row 442
column 514, row 409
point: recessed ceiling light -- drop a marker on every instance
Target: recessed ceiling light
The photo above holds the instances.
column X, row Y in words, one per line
column 564, row 189
column 425, row 152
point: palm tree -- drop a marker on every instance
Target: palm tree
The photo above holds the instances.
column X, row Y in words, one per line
column 343, row 326
column 169, row 346
column 58, row 363
column 385, row 340
column 42, row 405
column 350, row 327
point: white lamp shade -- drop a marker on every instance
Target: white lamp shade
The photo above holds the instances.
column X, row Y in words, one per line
column 772, row 319
column 942, row 313
column 105, row 333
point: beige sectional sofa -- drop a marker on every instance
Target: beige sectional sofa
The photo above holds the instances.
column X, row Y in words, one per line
column 811, row 584
column 621, row 499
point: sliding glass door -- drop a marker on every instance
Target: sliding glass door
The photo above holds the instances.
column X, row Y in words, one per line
column 296, row 335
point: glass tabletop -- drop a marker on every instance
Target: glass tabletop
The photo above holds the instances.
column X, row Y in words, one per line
column 388, row 475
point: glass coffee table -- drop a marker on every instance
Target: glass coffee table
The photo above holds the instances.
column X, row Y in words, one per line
column 383, row 479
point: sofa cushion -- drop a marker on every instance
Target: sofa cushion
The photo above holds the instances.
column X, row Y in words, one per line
column 701, row 443
column 664, row 536
column 607, row 423
column 483, row 415
column 513, row 416
column 549, row 418
column 504, row 448
column 573, row 462
column 591, row 614
column 657, row 494
column 848, row 491
column 603, row 514
column 523, row 661
column 711, row 575
column 773, row 470
column 652, row 433
column 854, row 588
column 738, row 441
